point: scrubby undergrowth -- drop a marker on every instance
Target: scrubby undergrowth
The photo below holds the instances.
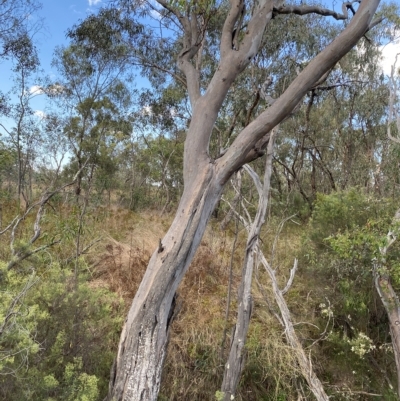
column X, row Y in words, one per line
column 65, row 332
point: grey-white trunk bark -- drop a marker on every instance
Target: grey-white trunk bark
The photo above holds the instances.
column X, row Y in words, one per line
column 388, row 296
column 234, row 365
column 137, row 370
column 235, row 362
column 304, row 362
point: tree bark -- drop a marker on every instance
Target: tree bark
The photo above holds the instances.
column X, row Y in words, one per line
column 236, row 359
column 392, row 306
column 305, row 363
column 388, row 296
column 137, row 371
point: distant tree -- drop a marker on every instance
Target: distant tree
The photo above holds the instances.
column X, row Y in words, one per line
column 24, row 133
column 91, row 92
column 17, row 19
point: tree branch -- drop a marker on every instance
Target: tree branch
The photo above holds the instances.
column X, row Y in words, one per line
column 246, row 141
column 304, row 10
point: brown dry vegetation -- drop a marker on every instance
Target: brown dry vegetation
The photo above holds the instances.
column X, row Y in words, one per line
column 197, row 351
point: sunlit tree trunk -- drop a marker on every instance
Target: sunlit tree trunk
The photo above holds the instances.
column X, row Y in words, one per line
column 136, row 374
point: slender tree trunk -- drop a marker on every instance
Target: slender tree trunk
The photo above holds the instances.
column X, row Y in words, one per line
column 392, row 307
column 236, row 359
column 304, row 362
column 387, row 294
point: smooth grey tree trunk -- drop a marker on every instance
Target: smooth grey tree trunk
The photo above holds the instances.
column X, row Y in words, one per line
column 236, row 359
column 136, row 374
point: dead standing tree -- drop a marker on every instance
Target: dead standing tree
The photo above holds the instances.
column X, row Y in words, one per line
column 136, row 373
column 382, row 273
column 254, row 255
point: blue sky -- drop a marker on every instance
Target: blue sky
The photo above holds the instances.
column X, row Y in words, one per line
column 56, row 16
column 59, row 15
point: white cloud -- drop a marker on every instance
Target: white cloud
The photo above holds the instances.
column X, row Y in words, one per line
column 40, row 114
column 389, row 52
column 36, row 90
column 155, row 14
column 93, row 2
column 73, row 8
column 146, row 111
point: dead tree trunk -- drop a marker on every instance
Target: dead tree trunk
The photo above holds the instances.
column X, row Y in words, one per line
column 304, row 362
column 236, row 359
column 137, row 371
column 381, row 272
column 388, row 296
column 235, row 362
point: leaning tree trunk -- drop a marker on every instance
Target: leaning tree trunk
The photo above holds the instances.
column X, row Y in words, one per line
column 392, row 306
column 137, row 369
column 304, row 362
column 236, row 357
column 136, row 373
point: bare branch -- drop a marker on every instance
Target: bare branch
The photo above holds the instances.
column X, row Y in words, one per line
column 82, row 251
column 392, row 99
column 20, row 256
column 12, row 309
column 172, row 10
column 13, row 262
column 158, row 67
column 246, row 141
column 235, row 11
column 291, row 278
column 375, row 22
column 304, row 10
column 9, row 226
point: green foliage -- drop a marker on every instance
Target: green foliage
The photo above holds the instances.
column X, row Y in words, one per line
column 103, row 34
column 64, row 332
column 345, row 234
column 344, row 211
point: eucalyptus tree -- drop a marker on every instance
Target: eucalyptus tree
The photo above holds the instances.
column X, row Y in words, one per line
column 17, row 19
column 18, row 22
column 240, row 28
column 338, row 139
column 91, row 91
column 23, row 133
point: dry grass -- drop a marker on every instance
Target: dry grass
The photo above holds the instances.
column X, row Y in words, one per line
column 196, row 355
column 121, row 266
